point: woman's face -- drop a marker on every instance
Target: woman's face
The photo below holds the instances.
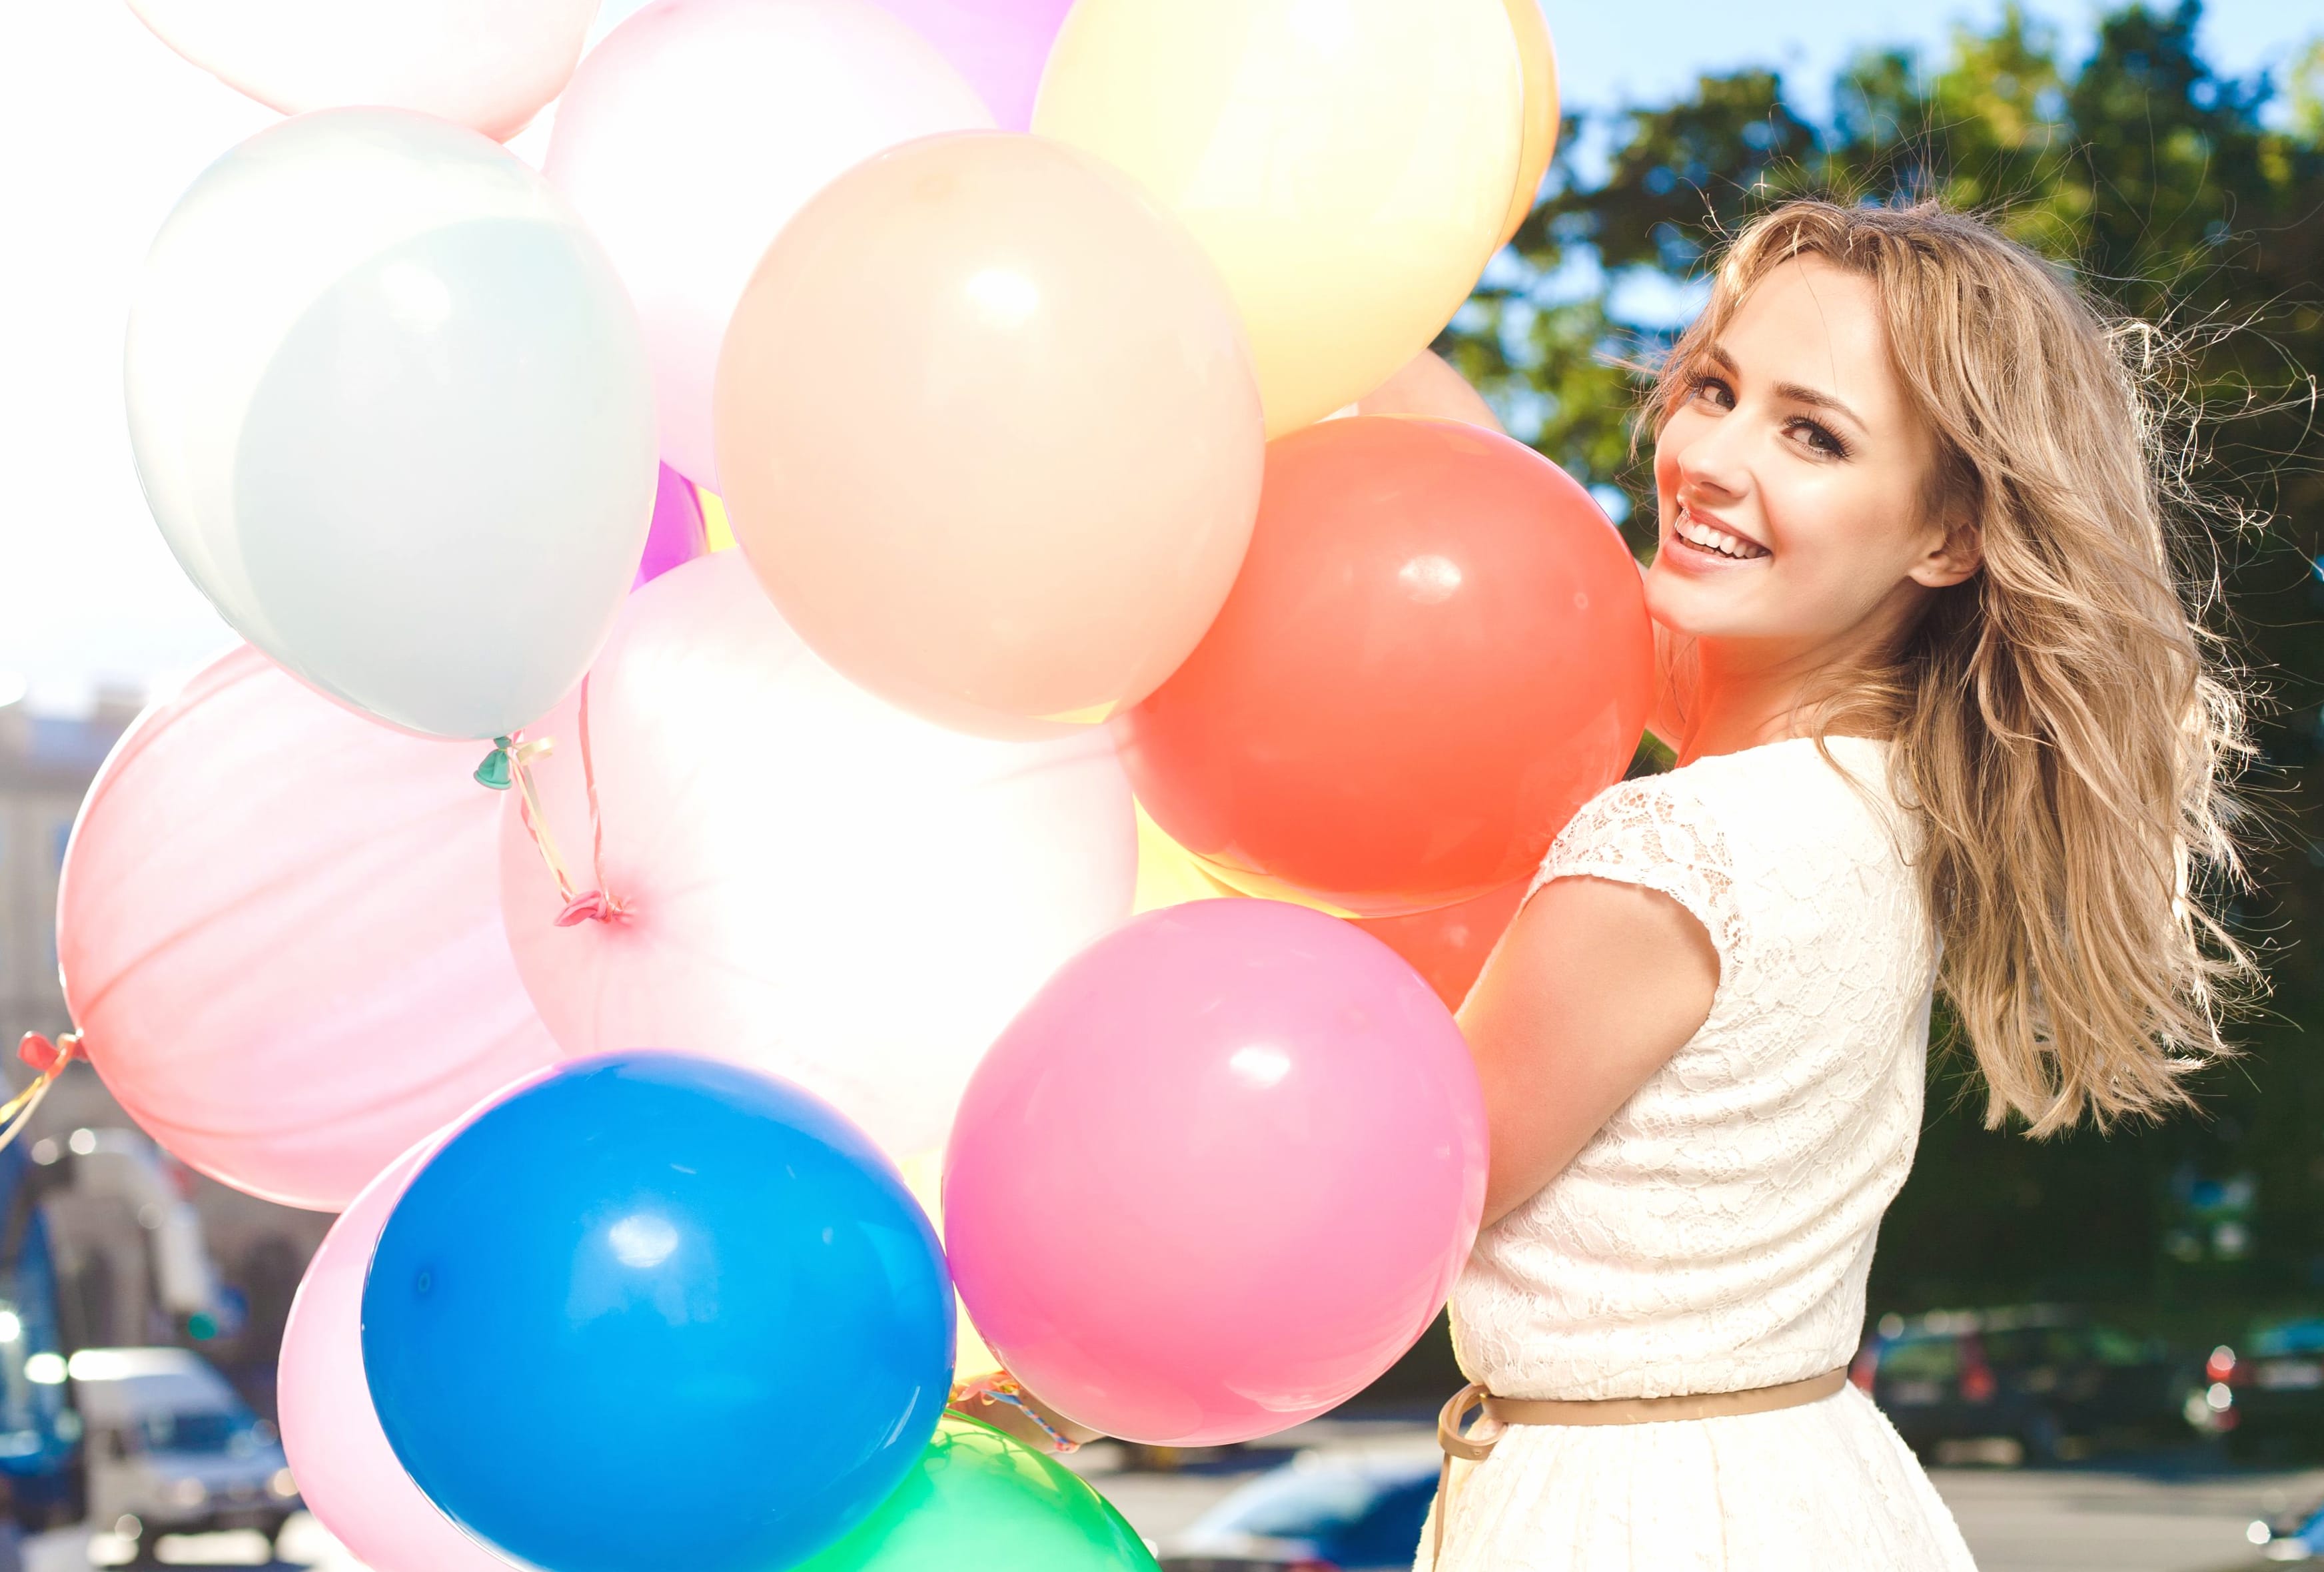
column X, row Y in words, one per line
column 1791, row 480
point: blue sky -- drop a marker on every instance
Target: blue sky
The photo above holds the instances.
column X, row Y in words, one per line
column 1614, row 53
column 106, row 127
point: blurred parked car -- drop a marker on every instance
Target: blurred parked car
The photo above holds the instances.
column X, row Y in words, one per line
column 171, row 1449
column 2268, row 1394
column 1319, row 1513
column 2038, row 1383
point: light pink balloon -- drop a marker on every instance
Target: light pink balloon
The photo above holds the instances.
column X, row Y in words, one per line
column 691, row 136
column 487, row 64
column 347, row 1475
column 999, row 45
column 280, row 931
column 811, row 882
column 1218, row 1176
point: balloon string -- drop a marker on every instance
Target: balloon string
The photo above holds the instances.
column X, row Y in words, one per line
column 510, row 763
column 50, row 1059
column 1002, row 1388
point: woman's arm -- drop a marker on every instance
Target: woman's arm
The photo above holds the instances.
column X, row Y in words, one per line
column 1596, row 987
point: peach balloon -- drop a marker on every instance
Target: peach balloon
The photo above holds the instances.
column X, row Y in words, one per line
column 1539, row 56
column 1427, row 384
column 694, row 133
column 989, row 432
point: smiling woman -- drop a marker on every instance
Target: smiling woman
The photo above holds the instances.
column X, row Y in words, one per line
column 1942, row 719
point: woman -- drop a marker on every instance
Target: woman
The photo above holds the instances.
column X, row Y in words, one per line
column 1944, row 721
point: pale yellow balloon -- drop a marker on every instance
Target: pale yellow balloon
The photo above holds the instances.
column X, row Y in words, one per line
column 1539, row 56
column 1347, row 163
column 924, row 1177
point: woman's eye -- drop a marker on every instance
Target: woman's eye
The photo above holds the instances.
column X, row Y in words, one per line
column 1820, row 438
column 1716, row 392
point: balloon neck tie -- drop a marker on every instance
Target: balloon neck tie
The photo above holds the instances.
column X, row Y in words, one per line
column 50, row 1059
column 1002, row 1388
column 510, row 763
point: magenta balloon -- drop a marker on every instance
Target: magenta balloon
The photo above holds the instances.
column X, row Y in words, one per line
column 347, row 1475
column 677, row 535
column 1218, row 1176
column 999, row 45
column 279, row 925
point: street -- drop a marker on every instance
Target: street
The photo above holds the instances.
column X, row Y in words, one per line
column 2069, row 1519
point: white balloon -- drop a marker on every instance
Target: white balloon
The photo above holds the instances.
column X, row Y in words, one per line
column 390, row 407
column 810, row 881
column 694, row 133
column 487, row 64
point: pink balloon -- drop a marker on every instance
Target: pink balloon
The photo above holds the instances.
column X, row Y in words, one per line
column 999, row 45
column 280, row 931
column 347, row 1475
column 810, row 881
column 677, row 535
column 1218, row 1176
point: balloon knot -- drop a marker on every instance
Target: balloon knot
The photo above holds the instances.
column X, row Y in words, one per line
column 497, row 772
column 48, row 1057
column 589, row 906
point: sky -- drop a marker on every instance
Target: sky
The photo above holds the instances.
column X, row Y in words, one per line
column 103, row 127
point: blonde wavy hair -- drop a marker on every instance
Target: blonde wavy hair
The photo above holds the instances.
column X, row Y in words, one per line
column 2065, row 724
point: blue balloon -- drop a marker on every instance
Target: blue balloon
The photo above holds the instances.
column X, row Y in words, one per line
column 659, row 1312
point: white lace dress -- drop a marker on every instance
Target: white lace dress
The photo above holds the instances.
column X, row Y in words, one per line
column 1715, row 1236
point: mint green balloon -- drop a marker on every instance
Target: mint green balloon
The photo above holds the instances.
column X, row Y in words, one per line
column 979, row 1501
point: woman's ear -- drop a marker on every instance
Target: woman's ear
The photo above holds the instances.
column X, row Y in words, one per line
column 1954, row 559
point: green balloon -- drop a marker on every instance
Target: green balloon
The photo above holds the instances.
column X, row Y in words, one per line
column 978, row 1501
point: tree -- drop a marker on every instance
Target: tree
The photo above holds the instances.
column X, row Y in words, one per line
column 2171, row 192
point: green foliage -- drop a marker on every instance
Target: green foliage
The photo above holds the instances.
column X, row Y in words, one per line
column 2174, row 195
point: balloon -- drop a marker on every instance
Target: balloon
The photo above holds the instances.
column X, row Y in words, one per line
column 486, row 64
column 1539, row 58
column 1450, row 945
column 677, row 535
column 1347, row 165
column 349, row 1475
column 1218, row 1176
column 1436, row 653
column 279, row 928
column 809, row 881
column 1427, row 385
column 979, row 1501
column 389, row 405
column 691, row 1299
column 924, row 1177
column 1041, row 518
column 693, row 134
column 999, row 45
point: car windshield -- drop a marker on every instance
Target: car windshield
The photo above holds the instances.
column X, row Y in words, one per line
column 214, row 1432
column 1323, row 1504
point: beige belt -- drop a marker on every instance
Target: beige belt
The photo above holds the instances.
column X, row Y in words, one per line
column 1500, row 1413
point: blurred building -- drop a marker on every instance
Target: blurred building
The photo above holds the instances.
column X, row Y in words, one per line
column 46, row 764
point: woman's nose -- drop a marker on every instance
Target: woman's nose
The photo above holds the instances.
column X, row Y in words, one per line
column 1715, row 460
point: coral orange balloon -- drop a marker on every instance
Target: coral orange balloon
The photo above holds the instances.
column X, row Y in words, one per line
column 1437, row 650
column 1449, row 946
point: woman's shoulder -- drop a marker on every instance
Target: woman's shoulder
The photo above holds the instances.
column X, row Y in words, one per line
column 1727, row 814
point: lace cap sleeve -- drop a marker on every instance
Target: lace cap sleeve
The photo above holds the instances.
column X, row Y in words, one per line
column 1654, row 833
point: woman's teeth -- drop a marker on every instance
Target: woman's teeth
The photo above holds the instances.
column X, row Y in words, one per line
column 1718, row 540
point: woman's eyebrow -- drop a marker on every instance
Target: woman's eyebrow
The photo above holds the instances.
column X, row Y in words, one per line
column 1794, row 392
